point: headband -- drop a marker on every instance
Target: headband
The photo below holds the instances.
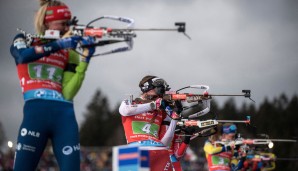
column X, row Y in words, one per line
column 57, row 13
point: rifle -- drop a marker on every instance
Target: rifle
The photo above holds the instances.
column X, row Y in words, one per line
column 203, row 98
column 209, row 122
column 189, row 97
column 88, row 30
column 117, row 35
column 207, row 127
column 103, row 35
column 242, row 141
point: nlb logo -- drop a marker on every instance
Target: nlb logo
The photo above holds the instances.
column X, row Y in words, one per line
column 67, row 150
column 25, row 132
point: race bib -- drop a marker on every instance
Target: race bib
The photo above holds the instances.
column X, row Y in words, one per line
column 140, row 127
column 216, row 160
column 45, row 72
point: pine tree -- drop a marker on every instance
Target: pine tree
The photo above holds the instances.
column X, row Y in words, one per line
column 2, row 134
column 101, row 124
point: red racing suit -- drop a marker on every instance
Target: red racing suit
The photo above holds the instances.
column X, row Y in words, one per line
column 141, row 126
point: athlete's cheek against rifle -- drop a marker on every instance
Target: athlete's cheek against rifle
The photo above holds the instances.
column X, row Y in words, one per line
column 156, row 92
column 151, row 93
column 61, row 25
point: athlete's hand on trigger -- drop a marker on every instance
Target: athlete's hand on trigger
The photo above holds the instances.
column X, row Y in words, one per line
column 88, row 51
column 155, row 105
column 159, row 103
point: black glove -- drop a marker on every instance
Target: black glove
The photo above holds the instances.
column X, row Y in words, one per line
column 189, row 131
column 178, row 107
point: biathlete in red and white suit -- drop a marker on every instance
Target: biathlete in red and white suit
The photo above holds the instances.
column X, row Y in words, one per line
column 142, row 118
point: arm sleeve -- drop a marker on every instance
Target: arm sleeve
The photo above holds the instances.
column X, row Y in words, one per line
column 211, row 149
column 169, row 135
column 128, row 109
column 181, row 150
column 73, row 76
column 24, row 54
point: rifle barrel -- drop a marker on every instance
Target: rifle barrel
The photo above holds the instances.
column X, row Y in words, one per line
column 226, row 95
column 283, row 140
column 233, row 121
column 149, row 29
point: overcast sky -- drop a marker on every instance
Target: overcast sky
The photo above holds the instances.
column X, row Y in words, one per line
column 236, row 44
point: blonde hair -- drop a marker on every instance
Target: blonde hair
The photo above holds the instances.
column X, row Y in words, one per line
column 217, row 135
column 39, row 25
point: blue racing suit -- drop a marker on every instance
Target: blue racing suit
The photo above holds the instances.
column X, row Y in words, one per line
column 45, row 70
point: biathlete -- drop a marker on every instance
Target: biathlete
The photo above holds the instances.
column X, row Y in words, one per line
column 143, row 117
column 222, row 157
column 50, row 76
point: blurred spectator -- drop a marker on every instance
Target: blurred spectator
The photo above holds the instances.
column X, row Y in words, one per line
column 94, row 159
column 6, row 160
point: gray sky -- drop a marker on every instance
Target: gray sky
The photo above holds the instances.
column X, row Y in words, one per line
column 236, row 44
